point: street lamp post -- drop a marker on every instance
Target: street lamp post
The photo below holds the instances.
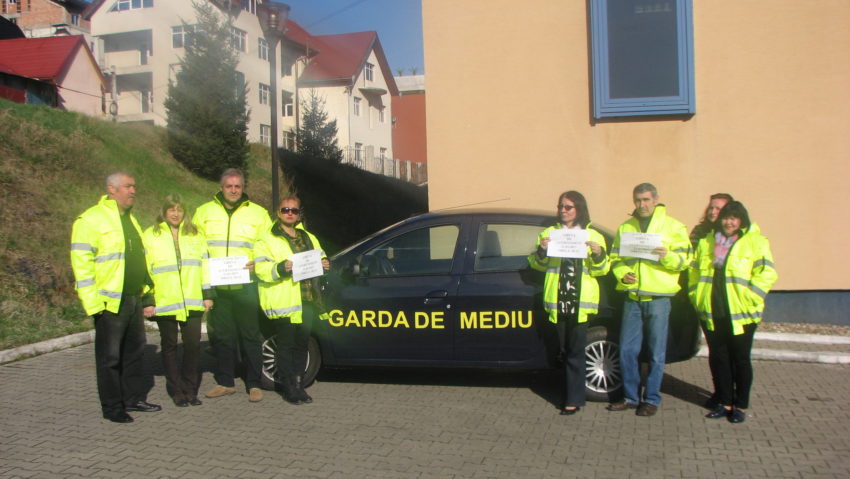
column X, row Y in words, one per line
column 273, row 18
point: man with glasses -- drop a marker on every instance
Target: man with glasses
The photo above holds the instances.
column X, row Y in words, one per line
column 232, row 224
column 650, row 278
column 109, row 267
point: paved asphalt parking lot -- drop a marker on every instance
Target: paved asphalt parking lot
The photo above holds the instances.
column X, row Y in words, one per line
column 431, row 424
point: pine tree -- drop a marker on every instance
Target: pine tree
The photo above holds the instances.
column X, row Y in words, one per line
column 317, row 135
column 207, row 109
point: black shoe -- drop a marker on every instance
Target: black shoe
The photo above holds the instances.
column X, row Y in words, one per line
column 290, row 391
column 195, row 402
column 718, row 412
column 569, row 412
column 143, row 406
column 181, row 403
column 119, row 417
column 736, row 416
column 302, row 394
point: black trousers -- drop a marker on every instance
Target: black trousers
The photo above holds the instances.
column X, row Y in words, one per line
column 235, row 321
column 181, row 381
column 119, row 346
column 573, row 338
column 730, row 364
column 292, row 342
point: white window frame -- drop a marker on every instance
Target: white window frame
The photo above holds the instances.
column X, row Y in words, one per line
column 370, row 72
column 265, row 92
column 262, row 49
column 357, row 102
column 265, row 134
column 239, row 39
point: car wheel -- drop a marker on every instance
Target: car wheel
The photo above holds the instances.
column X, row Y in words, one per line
column 314, row 362
column 602, row 359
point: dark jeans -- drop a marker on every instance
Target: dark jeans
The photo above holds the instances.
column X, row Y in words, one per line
column 236, row 324
column 181, row 382
column 119, row 346
column 573, row 338
column 729, row 361
column 292, row 341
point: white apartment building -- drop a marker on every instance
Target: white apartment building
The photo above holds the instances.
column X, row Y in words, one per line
column 140, row 45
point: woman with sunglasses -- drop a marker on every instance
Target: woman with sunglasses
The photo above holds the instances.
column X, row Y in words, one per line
column 731, row 274
column 175, row 253
column 293, row 305
column 571, row 292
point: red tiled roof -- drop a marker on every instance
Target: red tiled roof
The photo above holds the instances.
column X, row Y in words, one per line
column 39, row 58
column 342, row 56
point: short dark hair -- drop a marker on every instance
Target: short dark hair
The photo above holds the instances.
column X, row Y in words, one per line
column 582, row 213
column 734, row 209
column 645, row 187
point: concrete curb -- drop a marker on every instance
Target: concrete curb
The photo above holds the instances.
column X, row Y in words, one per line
column 79, row 339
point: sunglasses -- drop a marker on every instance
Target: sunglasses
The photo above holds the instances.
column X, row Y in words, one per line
column 566, row 207
column 287, row 210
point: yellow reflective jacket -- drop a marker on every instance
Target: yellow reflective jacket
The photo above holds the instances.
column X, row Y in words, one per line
column 176, row 290
column 654, row 278
column 97, row 256
column 749, row 274
column 232, row 234
column 589, row 299
column 280, row 297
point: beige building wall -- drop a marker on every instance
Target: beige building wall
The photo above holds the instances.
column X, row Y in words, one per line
column 510, row 123
column 81, row 86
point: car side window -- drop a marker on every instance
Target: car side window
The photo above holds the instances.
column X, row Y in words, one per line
column 423, row 251
column 504, row 247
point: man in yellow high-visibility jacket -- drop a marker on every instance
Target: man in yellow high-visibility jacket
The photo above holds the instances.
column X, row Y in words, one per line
column 649, row 283
column 232, row 224
column 108, row 260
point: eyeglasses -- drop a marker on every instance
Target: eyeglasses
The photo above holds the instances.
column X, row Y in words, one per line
column 566, row 207
column 287, row 210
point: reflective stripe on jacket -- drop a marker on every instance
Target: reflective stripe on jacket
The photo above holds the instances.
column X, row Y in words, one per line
column 176, row 290
column 232, row 234
column 589, row 300
column 653, row 278
column 97, row 256
column 749, row 274
column 280, row 297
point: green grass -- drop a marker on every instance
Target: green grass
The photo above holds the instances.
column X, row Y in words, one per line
column 52, row 167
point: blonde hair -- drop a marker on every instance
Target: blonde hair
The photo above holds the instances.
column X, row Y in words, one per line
column 174, row 200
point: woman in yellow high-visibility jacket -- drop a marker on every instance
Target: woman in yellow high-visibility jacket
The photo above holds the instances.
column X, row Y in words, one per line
column 176, row 256
column 727, row 283
column 571, row 292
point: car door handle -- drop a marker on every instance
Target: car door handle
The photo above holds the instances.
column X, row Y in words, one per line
column 436, row 297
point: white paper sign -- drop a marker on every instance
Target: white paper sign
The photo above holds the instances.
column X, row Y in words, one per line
column 229, row 270
column 567, row 243
column 640, row 245
column 307, row 265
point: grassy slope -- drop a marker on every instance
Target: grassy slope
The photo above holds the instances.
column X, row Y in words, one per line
column 52, row 167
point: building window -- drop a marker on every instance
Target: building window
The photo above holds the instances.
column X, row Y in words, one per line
column 288, row 103
column 263, row 49
column 130, row 5
column 240, row 83
column 75, row 19
column 380, row 115
column 265, row 134
column 383, row 153
column 238, row 39
column 642, row 57
column 370, row 72
column 358, row 152
column 356, row 106
column 265, row 90
column 250, row 6
column 181, row 35
column 288, row 142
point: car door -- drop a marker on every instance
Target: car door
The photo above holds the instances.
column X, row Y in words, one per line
column 394, row 304
column 499, row 303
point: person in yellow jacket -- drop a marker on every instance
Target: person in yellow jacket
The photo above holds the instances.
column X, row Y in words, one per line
column 727, row 283
column 177, row 263
column 108, row 260
column 293, row 305
column 649, row 278
column 571, row 292
column 231, row 224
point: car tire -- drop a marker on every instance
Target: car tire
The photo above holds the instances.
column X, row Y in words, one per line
column 602, row 358
column 314, row 362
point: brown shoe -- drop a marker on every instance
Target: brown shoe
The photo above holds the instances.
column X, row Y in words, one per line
column 255, row 394
column 646, row 409
column 219, row 391
column 620, row 406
